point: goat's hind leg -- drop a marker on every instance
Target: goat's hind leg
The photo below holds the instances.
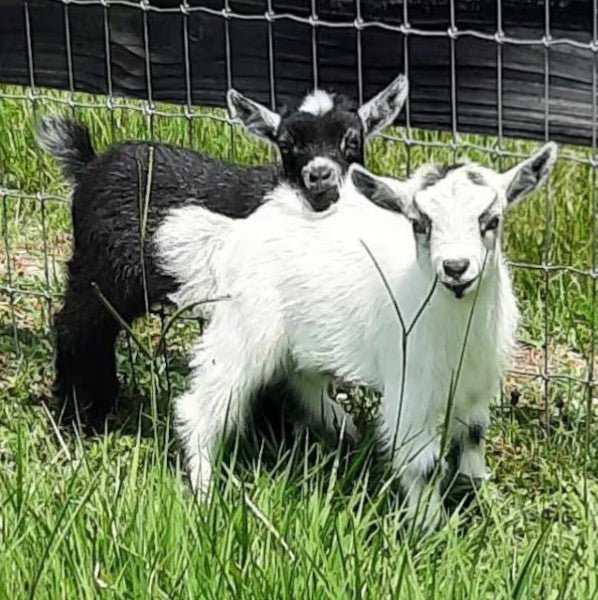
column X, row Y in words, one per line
column 85, row 334
column 226, row 375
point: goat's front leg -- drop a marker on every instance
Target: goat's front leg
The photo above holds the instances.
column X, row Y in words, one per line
column 226, row 376
column 467, row 435
column 414, row 442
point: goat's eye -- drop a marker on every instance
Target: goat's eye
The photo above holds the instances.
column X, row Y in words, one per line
column 492, row 224
column 350, row 143
column 421, row 227
column 285, row 146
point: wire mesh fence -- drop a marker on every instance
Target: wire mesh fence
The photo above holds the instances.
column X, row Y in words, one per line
column 556, row 273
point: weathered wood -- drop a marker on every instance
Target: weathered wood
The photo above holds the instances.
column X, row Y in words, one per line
column 524, row 110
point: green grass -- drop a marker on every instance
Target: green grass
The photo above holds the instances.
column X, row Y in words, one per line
column 113, row 517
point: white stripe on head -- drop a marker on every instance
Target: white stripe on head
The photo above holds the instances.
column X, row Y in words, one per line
column 317, row 103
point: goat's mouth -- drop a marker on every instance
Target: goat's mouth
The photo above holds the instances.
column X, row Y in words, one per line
column 322, row 199
column 459, row 288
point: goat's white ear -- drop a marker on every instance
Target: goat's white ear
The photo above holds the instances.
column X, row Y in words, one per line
column 377, row 191
column 528, row 175
column 258, row 119
column 384, row 107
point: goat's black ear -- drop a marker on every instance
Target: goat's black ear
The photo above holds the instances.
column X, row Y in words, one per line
column 258, row 119
column 384, row 107
column 376, row 190
column 529, row 175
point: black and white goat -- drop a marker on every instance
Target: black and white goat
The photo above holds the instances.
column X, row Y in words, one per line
column 308, row 302
column 317, row 142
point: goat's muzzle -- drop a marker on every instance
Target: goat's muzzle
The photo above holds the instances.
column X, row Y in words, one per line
column 322, row 200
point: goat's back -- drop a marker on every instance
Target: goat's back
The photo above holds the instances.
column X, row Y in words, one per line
column 312, row 271
column 123, row 195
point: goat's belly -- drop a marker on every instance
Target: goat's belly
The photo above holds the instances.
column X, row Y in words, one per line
column 339, row 357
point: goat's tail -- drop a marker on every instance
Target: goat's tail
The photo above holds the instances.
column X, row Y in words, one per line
column 68, row 141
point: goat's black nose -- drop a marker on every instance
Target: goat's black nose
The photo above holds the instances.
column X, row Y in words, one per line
column 320, row 175
column 455, row 268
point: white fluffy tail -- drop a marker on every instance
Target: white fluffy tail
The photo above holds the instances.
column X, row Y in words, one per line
column 68, row 142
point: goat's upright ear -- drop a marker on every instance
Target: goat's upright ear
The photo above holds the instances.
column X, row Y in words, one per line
column 258, row 119
column 528, row 175
column 378, row 191
column 384, row 107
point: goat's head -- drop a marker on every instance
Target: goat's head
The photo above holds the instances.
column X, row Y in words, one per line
column 457, row 212
column 320, row 139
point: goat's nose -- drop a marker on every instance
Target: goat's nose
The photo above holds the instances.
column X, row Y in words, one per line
column 455, row 268
column 320, row 175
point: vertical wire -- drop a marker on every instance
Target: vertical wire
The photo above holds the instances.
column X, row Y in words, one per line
column 547, row 218
column 499, row 105
column 69, row 56
column 358, row 23
column 42, row 179
column 594, row 293
column 271, row 67
column 150, row 109
column 313, row 20
column 188, row 93
column 452, row 36
column 11, row 293
column 108, row 57
column 229, row 72
column 407, row 109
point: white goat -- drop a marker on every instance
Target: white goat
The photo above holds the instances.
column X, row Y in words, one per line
column 307, row 300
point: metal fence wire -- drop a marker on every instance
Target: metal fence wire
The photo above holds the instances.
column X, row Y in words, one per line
column 440, row 27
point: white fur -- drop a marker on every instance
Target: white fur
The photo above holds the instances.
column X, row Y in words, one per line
column 321, row 161
column 317, row 103
column 306, row 301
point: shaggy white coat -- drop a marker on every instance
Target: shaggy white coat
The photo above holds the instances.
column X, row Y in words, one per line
column 307, row 301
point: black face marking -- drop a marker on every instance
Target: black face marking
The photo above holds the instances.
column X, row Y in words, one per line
column 492, row 224
column 336, row 135
column 489, row 220
column 421, row 223
column 476, row 178
column 459, row 289
column 476, row 433
column 437, row 173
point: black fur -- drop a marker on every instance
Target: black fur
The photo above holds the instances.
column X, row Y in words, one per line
column 108, row 196
column 476, row 433
column 69, row 142
column 476, row 178
column 303, row 136
column 107, row 251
